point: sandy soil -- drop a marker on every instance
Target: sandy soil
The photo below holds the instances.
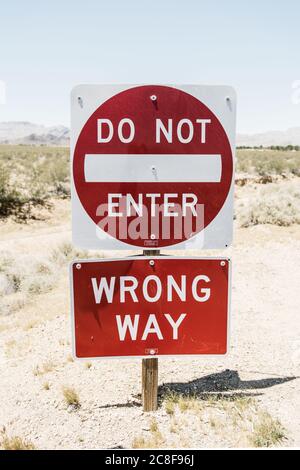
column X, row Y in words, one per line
column 264, row 359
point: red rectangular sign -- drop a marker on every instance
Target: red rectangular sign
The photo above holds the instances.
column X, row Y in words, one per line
column 143, row 306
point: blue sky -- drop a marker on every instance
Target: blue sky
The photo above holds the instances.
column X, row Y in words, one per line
column 48, row 47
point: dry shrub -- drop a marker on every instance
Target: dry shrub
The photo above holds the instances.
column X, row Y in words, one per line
column 71, row 397
column 267, row 431
column 277, row 204
column 15, row 443
column 268, row 162
column 154, row 441
column 24, row 276
column 234, row 418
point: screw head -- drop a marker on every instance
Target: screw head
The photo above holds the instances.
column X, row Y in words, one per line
column 153, row 97
column 151, row 262
column 152, row 352
column 222, row 263
column 152, row 236
column 78, row 266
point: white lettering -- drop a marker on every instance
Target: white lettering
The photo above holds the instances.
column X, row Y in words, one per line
column 172, row 285
column 203, row 123
column 130, row 138
column 152, row 327
column 175, row 325
column 128, row 288
column 166, row 132
column 103, row 285
column 185, row 140
column 158, row 288
column 205, row 291
column 111, row 204
column 127, row 324
column 100, row 138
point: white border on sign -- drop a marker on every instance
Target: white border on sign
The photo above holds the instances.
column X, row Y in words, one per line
column 219, row 232
column 148, row 258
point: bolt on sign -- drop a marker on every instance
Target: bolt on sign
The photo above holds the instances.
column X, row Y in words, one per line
column 141, row 306
column 152, row 166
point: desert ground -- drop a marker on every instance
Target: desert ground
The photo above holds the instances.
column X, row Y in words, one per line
column 250, row 398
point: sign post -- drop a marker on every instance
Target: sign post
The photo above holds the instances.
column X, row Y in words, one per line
column 152, row 168
column 150, row 370
column 149, row 384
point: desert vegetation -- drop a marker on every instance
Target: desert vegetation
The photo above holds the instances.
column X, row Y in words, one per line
column 71, row 397
column 268, row 162
column 15, row 443
column 236, row 416
column 30, row 177
column 95, row 404
column 22, row 278
column 33, row 178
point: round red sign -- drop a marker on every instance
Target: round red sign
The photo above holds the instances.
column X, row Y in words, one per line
column 147, row 161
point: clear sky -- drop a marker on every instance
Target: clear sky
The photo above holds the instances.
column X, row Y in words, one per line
column 47, row 47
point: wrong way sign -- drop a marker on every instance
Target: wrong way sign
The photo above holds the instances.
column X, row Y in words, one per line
column 152, row 166
column 144, row 306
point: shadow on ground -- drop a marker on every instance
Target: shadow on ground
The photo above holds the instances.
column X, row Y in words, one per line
column 227, row 380
column 129, row 404
column 219, row 383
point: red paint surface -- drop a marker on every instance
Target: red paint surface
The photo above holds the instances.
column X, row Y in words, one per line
column 203, row 331
column 135, row 104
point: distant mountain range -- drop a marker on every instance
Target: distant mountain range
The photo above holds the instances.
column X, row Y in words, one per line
column 16, row 132
column 289, row 137
column 19, row 132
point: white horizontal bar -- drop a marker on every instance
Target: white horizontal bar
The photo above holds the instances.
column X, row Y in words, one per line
column 146, row 168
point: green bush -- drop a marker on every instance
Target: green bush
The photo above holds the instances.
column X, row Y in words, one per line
column 15, row 202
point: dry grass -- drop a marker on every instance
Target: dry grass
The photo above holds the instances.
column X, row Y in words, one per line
column 154, row 441
column 232, row 418
column 46, row 386
column 268, row 162
column 70, row 358
column 23, row 277
column 276, row 204
column 174, row 426
column 267, row 432
column 169, row 406
column 66, row 252
column 15, row 443
column 45, row 368
column 195, row 402
column 71, row 397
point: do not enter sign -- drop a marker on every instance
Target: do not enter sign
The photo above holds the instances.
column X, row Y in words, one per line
column 143, row 306
column 152, row 166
